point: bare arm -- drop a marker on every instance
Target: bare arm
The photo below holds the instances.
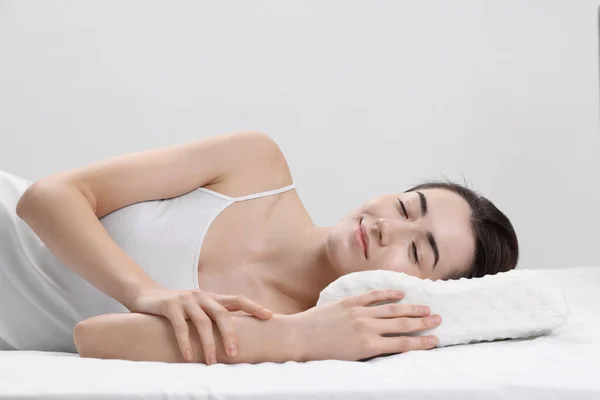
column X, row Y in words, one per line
column 145, row 337
column 352, row 328
column 63, row 209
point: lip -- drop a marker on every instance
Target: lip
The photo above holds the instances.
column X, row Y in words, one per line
column 362, row 238
column 365, row 238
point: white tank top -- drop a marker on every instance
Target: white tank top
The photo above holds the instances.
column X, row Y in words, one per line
column 41, row 300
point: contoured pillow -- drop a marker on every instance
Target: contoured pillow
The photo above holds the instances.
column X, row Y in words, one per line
column 513, row 304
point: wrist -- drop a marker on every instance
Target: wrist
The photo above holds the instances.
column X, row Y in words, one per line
column 134, row 289
column 293, row 338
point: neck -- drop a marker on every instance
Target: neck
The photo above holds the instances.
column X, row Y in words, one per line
column 300, row 268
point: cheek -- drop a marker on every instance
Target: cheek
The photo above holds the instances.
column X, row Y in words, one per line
column 349, row 219
column 379, row 209
column 369, row 208
column 395, row 259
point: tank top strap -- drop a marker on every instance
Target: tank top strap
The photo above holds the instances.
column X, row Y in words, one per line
column 264, row 194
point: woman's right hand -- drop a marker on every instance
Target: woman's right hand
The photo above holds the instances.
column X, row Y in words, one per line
column 350, row 330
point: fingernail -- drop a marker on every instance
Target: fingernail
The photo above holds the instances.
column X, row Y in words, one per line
column 436, row 319
column 188, row 354
column 232, row 350
column 209, row 360
column 433, row 341
column 424, row 309
column 266, row 310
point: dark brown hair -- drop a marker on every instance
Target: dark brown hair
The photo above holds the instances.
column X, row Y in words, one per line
column 496, row 244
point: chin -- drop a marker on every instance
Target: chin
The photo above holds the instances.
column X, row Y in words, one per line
column 341, row 250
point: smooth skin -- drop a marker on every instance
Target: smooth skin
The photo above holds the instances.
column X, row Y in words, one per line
column 348, row 329
column 274, row 256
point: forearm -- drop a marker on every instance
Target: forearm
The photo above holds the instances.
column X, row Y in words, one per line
column 64, row 220
column 145, row 337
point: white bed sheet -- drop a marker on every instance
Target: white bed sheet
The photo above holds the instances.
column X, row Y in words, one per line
column 563, row 365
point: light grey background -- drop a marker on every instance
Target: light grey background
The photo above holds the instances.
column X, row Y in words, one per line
column 364, row 97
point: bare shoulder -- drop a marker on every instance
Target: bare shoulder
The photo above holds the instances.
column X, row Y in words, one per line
column 261, row 166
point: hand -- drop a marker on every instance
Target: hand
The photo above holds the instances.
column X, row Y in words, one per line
column 201, row 308
column 349, row 330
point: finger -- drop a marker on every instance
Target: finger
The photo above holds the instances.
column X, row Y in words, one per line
column 402, row 344
column 175, row 314
column 405, row 324
column 394, row 310
column 237, row 303
column 224, row 321
column 205, row 332
column 373, row 296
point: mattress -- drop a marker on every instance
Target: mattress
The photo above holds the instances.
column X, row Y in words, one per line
column 562, row 365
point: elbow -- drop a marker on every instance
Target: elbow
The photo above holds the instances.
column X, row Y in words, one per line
column 80, row 338
column 23, row 203
column 85, row 338
column 49, row 191
column 103, row 336
column 29, row 197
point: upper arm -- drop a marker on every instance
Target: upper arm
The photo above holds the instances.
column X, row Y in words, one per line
column 165, row 172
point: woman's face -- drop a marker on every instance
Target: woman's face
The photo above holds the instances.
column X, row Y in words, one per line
column 425, row 233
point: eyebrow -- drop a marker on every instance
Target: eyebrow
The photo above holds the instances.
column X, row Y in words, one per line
column 434, row 247
column 430, row 238
column 423, row 203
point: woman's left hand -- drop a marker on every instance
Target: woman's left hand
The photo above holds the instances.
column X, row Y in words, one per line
column 200, row 307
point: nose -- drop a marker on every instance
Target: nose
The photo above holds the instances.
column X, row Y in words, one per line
column 386, row 229
column 381, row 228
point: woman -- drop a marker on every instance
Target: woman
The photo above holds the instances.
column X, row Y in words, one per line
column 171, row 255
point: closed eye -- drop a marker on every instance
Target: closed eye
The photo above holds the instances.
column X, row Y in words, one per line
column 403, row 209
column 414, row 248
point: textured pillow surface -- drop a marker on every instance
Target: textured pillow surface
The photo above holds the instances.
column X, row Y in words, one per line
column 514, row 304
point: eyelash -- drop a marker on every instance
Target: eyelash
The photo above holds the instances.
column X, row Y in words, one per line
column 405, row 214
column 414, row 246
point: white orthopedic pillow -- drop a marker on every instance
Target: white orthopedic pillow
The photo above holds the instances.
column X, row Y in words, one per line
column 514, row 304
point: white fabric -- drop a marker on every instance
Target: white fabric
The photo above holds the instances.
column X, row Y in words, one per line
column 514, row 304
column 41, row 300
column 561, row 365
